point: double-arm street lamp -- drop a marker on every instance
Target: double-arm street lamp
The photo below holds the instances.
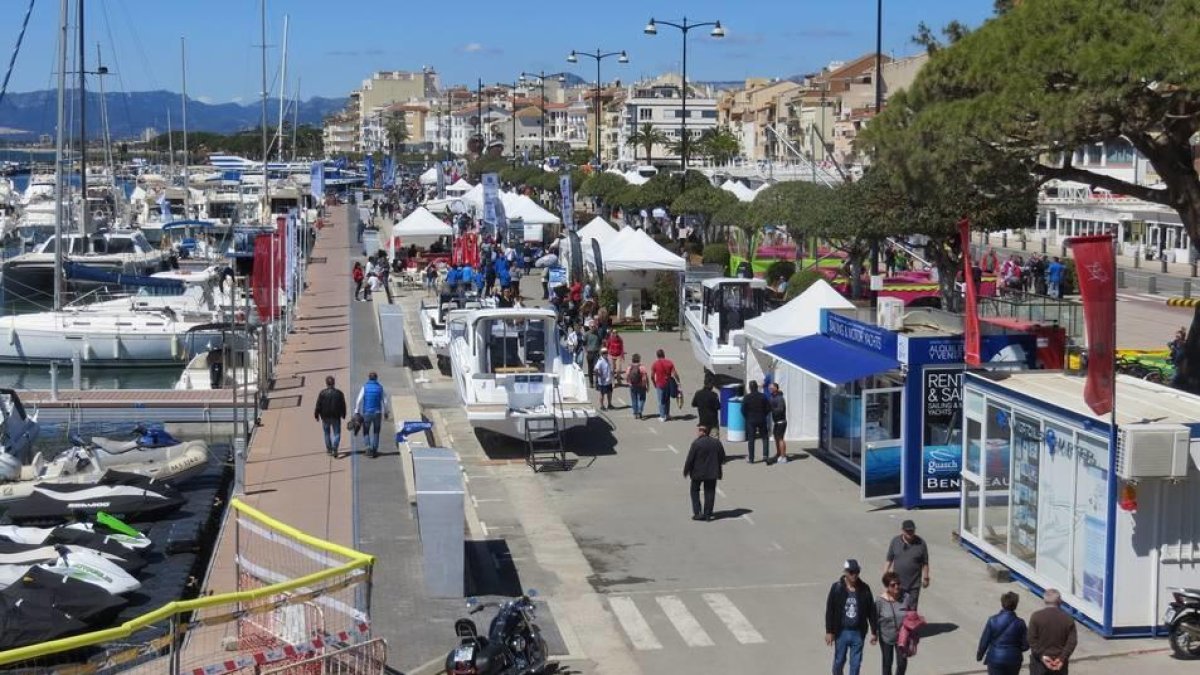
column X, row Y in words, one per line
column 573, row 57
column 717, row 32
column 541, row 76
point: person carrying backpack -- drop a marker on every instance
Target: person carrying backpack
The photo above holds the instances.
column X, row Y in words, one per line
column 638, row 384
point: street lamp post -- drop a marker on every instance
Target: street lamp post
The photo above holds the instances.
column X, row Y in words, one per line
column 479, row 119
column 541, row 76
column 599, row 56
column 717, row 32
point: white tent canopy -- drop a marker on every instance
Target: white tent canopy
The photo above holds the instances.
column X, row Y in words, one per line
column 420, row 227
column 801, row 316
column 521, row 206
column 739, row 190
column 598, row 229
column 459, row 188
column 429, row 177
column 637, row 251
column 635, row 178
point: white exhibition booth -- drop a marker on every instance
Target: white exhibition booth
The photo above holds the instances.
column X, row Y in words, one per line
column 419, row 227
column 800, row 317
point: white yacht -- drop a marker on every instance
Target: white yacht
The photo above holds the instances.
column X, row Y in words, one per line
column 124, row 252
column 436, row 315
column 226, row 367
column 715, row 314
column 508, row 371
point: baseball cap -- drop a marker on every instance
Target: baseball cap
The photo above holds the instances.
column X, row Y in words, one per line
column 851, row 566
column 908, row 526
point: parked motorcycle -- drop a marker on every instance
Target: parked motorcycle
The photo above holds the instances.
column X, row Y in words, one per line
column 1183, row 619
column 513, row 645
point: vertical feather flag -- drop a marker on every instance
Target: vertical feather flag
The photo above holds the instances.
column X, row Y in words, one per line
column 971, row 318
column 1095, row 269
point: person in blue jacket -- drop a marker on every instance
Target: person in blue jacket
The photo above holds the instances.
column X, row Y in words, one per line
column 373, row 403
column 1004, row 639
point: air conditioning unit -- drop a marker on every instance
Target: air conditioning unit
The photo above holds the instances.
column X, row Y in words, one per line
column 1152, row 451
column 890, row 313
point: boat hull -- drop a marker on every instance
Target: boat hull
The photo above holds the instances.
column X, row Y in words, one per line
column 137, row 347
column 34, row 280
column 724, row 361
column 512, row 423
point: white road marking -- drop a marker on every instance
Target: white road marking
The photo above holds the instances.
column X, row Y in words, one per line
column 483, row 526
column 689, row 628
column 634, row 624
column 672, row 448
column 720, row 492
column 660, row 449
column 746, row 517
column 734, row 620
column 653, row 430
column 775, row 545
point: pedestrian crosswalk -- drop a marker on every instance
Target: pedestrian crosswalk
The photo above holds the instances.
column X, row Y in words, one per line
column 681, row 618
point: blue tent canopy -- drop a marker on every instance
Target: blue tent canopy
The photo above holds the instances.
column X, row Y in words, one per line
column 832, row 362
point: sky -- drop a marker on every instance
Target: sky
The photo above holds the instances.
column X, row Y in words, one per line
column 333, row 46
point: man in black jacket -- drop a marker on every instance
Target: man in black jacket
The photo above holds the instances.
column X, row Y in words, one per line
column 755, row 409
column 331, row 410
column 849, row 612
column 708, row 406
column 703, row 467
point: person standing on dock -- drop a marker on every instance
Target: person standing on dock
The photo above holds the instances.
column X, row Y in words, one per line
column 331, row 410
column 373, row 404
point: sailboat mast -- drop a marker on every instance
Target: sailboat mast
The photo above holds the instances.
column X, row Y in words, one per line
column 187, row 192
column 265, row 150
column 170, row 144
column 295, row 118
column 283, row 87
column 59, row 212
column 86, row 216
column 101, row 71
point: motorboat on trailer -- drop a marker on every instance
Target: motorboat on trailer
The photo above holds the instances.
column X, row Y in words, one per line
column 715, row 313
column 436, row 315
column 508, row 370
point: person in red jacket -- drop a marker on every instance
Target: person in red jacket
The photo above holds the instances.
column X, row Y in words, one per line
column 358, row 275
column 666, row 381
column 616, row 354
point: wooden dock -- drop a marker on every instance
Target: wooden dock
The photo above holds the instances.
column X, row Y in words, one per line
column 135, row 405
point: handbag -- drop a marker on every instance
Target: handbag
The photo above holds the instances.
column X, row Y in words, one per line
column 355, row 423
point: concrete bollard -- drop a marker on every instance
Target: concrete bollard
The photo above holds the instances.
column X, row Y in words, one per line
column 1187, row 288
column 1163, row 259
column 391, row 332
column 1152, row 284
column 1120, row 278
column 1044, row 244
column 1193, row 265
column 1004, row 239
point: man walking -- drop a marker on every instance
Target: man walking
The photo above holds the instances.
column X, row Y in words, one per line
column 708, row 407
column 638, row 383
column 331, row 410
column 908, row 557
column 373, row 403
column 778, row 422
column 604, row 379
column 1051, row 637
column 1054, row 277
column 666, row 379
column 755, row 409
column 703, row 466
column 849, row 612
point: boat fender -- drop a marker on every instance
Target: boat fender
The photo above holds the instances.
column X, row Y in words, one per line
column 116, row 354
column 87, row 349
column 175, row 346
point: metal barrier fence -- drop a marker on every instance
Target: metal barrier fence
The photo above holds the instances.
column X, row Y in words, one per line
column 368, row 658
column 1037, row 308
column 298, row 597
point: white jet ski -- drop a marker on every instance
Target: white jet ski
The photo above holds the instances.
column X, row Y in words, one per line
column 80, row 564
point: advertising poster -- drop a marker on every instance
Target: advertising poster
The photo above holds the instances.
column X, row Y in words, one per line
column 881, row 470
column 1091, row 499
column 941, row 465
column 1056, row 494
column 1027, row 443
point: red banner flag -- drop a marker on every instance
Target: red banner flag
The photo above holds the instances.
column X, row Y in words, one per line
column 971, row 312
column 261, row 276
column 1094, row 267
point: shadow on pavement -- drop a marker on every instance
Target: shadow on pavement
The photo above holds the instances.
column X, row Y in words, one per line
column 931, row 629
column 488, row 569
column 730, row 513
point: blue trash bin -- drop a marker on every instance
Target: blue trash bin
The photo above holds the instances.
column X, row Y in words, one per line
column 735, row 428
column 727, row 392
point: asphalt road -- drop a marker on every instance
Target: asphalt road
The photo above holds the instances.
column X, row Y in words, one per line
column 744, row 593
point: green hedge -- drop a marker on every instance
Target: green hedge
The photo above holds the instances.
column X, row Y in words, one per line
column 800, row 281
column 780, row 269
column 666, row 296
column 716, row 254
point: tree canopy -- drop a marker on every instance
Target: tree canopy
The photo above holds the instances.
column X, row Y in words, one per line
column 1043, row 79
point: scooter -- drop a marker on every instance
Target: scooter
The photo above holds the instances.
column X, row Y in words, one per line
column 1183, row 619
column 513, row 646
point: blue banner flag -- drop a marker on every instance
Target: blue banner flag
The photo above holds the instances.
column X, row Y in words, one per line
column 317, row 185
column 389, row 173
column 568, row 202
column 370, row 171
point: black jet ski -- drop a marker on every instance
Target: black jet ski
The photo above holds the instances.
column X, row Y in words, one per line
column 77, row 599
column 125, row 495
column 33, row 619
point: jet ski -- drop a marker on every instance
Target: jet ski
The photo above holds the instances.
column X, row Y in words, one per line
column 72, row 540
column 127, row 495
column 105, row 528
column 18, row 427
column 79, row 600
column 81, row 564
column 155, row 454
column 30, row 620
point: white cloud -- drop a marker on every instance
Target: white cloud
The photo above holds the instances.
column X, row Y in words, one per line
column 472, row 47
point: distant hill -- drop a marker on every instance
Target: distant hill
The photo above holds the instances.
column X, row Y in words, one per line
column 130, row 114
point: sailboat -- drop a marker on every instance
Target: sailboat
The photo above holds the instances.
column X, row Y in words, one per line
column 103, row 336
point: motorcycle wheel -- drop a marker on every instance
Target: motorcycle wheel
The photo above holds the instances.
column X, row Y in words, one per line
column 545, row 653
column 1183, row 643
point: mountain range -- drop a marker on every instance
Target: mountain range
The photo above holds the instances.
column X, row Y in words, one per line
column 25, row 116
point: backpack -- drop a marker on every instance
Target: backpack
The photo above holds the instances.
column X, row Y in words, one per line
column 637, row 378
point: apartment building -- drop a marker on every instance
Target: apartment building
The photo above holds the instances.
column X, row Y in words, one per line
column 339, row 134
column 660, row 104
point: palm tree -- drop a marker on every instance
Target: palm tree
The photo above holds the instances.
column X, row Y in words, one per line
column 719, row 144
column 647, row 137
column 397, row 132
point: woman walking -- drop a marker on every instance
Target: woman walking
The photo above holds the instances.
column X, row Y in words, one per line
column 890, row 610
column 1004, row 640
column 638, row 384
column 357, row 275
